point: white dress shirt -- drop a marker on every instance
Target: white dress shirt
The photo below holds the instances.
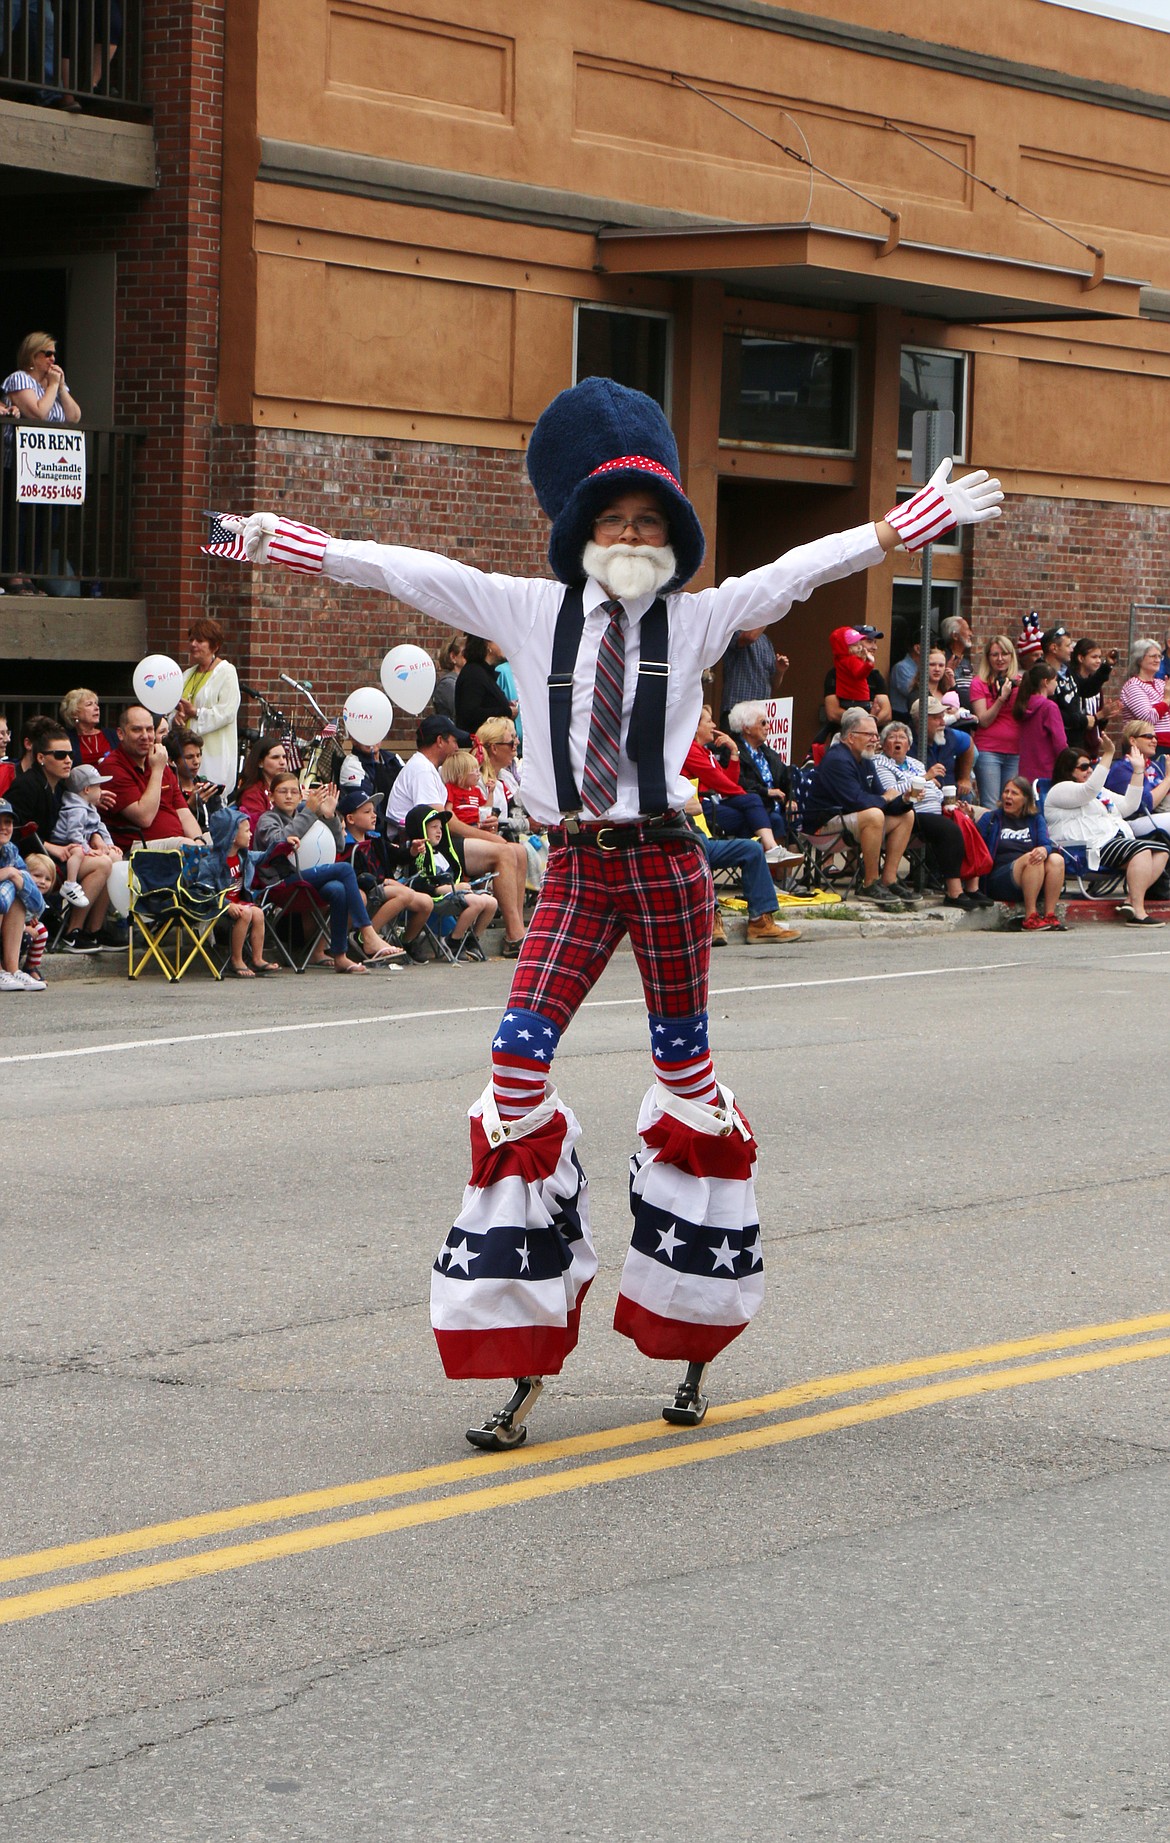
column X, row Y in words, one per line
column 520, row 614
column 419, row 783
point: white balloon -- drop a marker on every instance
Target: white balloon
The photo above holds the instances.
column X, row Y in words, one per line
column 158, row 683
column 118, row 886
column 318, row 846
column 368, row 714
column 408, row 676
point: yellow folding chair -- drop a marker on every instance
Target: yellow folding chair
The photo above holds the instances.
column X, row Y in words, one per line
column 172, row 916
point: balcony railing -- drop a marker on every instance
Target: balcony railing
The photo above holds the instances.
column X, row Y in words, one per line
column 68, row 549
column 60, row 52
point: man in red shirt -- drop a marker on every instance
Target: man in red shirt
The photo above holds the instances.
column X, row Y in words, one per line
column 148, row 803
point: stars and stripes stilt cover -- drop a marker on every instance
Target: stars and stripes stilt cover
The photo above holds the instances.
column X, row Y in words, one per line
column 510, row 1278
column 694, row 1275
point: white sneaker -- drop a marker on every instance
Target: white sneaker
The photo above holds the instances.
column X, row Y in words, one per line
column 29, row 982
column 11, row 982
column 74, row 895
column 779, row 854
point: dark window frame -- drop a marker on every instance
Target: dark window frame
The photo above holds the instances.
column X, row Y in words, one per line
column 770, row 336
column 635, row 313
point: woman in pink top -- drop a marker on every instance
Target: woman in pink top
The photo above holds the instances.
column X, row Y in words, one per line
column 1041, row 726
column 1143, row 694
column 998, row 735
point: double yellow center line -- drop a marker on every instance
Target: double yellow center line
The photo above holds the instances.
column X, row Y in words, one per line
column 554, row 1469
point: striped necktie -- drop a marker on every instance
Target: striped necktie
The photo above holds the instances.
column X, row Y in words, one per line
column 600, row 773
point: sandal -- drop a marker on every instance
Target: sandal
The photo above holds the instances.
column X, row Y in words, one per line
column 262, row 968
column 387, row 954
column 238, row 972
column 350, row 966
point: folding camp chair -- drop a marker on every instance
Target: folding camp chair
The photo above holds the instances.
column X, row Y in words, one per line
column 831, row 855
column 173, row 911
column 1092, row 885
column 290, row 906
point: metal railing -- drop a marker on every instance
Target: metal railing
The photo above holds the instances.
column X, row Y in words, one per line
column 72, row 550
column 59, row 52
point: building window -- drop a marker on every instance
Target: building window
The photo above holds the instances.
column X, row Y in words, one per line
column 932, row 381
column 788, row 393
column 906, row 612
column 632, row 346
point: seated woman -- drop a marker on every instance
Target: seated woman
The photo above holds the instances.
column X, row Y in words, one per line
column 1144, row 691
column 761, row 770
column 289, row 818
column 1080, row 810
column 1153, row 815
column 1041, row 727
column 921, row 789
column 265, row 760
column 1025, row 864
column 712, row 761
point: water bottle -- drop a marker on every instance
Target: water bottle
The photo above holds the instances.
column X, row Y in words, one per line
column 95, row 588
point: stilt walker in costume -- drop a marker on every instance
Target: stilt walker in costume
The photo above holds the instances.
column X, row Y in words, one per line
column 608, row 661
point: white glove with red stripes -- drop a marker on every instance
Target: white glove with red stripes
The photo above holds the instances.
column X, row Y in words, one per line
column 944, row 503
column 268, row 539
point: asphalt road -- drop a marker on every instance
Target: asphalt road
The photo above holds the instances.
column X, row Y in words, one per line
column 907, row 1582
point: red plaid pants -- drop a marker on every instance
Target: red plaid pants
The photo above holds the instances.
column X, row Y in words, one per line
column 660, row 894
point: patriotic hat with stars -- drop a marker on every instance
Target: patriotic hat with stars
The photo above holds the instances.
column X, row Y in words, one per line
column 591, row 445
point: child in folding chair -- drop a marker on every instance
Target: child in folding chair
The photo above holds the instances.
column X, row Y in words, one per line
column 386, row 898
column 440, row 873
column 288, row 821
column 231, row 837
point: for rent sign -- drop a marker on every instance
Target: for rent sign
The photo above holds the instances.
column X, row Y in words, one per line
column 50, row 467
column 780, row 726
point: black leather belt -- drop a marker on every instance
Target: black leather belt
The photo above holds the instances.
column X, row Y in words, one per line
column 621, row 837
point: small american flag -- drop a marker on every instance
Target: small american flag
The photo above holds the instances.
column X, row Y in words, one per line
column 224, row 537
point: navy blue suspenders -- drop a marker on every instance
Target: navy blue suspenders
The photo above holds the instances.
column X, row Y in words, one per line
column 646, row 742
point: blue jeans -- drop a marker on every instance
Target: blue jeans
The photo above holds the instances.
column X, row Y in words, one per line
column 27, row 892
column 747, row 856
column 339, row 885
column 992, row 770
column 737, row 815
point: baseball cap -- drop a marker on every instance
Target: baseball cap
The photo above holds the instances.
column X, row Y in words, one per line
column 6, row 811
column 854, row 634
column 86, row 776
column 934, row 708
column 434, row 726
column 350, row 798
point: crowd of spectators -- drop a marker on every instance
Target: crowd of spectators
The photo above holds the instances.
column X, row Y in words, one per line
column 413, row 858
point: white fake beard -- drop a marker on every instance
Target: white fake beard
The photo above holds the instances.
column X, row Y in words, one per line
column 629, row 570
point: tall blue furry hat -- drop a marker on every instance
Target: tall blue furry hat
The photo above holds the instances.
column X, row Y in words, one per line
column 592, row 444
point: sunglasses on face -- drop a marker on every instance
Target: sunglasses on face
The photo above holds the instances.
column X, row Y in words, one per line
column 59, row 755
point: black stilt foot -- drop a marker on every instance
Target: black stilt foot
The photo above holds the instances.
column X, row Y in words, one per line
column 506, row 1428
column 689, row 1404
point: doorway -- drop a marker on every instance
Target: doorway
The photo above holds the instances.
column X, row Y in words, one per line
column 759, row 520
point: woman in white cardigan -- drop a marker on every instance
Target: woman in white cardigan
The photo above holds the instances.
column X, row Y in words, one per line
column 210, row 701
column 1080, row 810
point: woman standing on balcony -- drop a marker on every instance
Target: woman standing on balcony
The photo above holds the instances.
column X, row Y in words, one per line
column 37, row 387
column 37, row 391
column 211, row 701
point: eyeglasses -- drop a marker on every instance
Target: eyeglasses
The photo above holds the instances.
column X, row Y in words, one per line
column 59, row 755
column 648, row 525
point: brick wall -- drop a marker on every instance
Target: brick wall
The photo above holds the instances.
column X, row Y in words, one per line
column 471, row 503
column 1076, row 561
